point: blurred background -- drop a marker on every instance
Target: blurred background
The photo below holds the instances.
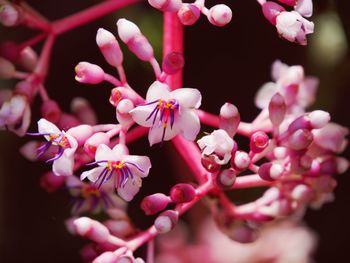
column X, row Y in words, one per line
column 226, row 64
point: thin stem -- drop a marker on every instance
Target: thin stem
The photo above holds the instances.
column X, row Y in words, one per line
column 115, row 131
column 32, row 41
column 113, row 80
column 104, row 127
column 122, row 75
column 43, row 93
column 250, row 181
column 21, row 75
column 156, row 68
column 150, row 251
column 78, row 19
column 43, row 63
column 34, row 19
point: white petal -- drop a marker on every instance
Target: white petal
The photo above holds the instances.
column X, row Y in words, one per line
column 141, row 113
column 92, row 174
column 45, row 126
column 158, row 90
column 188, row 122
column 156, row 132
column 130, row 189
column 264, row 94
column 142, row 162
column 73, row 181
column 304, row 7
column 25, row 122
column 186, row 97
column 65, row 164
column 104, row 153
column 277, row 70
column 120, row 150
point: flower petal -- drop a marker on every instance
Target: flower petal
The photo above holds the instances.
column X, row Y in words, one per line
column 47, row 127
column 138, row 163
column 23, row 123
column 155, row 134
column 189, row 124
column 186, row 97
column 141, row 113
column 92, row 174
column 158, row 90
column 65, row 164
column 130, row 189
column 264, row 94
column 104, row 153
column 278, row 69
column 304, row 7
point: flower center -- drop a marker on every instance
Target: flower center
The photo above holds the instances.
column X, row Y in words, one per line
column 59, row 139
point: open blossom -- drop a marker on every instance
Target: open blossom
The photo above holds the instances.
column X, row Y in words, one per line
column 63, row 161
column 293, row 27
column 218, row 143
column 169, row 113
column 15, row 114
column 126, row 170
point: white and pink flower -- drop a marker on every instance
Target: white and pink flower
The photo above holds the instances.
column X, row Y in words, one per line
column 169, row 113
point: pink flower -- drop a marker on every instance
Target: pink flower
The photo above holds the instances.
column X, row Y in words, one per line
column 126, row 169
column 293, row 27
column 169, row 113
column 332, row 137
column 15, row 114
column 219, row 143
column 63, row 161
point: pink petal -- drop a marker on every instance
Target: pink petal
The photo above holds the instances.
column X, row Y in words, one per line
column 141, row 113
column 264, row 95
column 189, row 123
column 277, row 70
column 92, row 174
column 142, row 162
column 130, row 189
column 158, row 90
column 304, row 7
column 307, row 91
column 45, row 126
column 186, row 97
column 104, row 153
column 12, row 110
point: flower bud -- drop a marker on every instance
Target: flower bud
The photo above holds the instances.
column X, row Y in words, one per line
column 106, row 257
column 83, row 110
column 166, row 5
column 288, row 2
column 127, row 30
column 166, row 221
column 81, row 133
column 271, row 10
column 173, row 62
column 89, row 73
column 109, row 47
column 123, row 109
column 182, row 193
column 242, row 233
column 277, row 109
column 226, row 178
column 51, row 111
column 10, row 51
column 332, row 137
column 229, row 118
column 258, row 141
column 155, row 203
column 51, row 182
column 210, row 164
column 120, row 227
column 140, row 46
column 280, row 153
column 188, row 14
column 9, row 15
column 28, row 59
column 300, row 139
column 7, row 69
column 300, row 163
column 319, row 119
column 91, row 229
column 94, row 141
column 302, row 193
column 220, row 15
column 333, row 165
column 24, row 88
column 241, row 161
column 270, row 171
column 68, row 121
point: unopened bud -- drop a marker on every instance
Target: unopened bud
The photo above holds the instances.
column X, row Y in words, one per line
column 300, row 139
column 242, row 234
column 240, row 161
column 166, row 5
column 188, row 14
column 173, row 62
column 319, row 119
column 119, row 227
column 89, row 73
column 25, row 88
column 51, row 182
column 277, row 109
column 270, row 171
column 106, row 257
column 155, row 203
column 28, row 59
column 91, row 229
column 182, row 193
column 9, row 15
column 109, row 47
column 94, row 141
column 333, row 165
column 7, row 69
column 123, row 109
column 220, row 15
column 127, row 30
column 125, row 259
column 300, row 163
column 226, row 178
column 258, row 141
column 166, row 221
column 288, row 2
column 271, row 10
column 210, row 164
column 81, row 133
column 302, row 193
column 68, row 121
column 51, row 111
column 229, row 118
column 140, row 46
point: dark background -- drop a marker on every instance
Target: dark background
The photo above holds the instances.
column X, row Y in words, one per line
column 226, row 64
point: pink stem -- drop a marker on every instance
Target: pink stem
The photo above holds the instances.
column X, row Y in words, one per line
column 122, row 75
column 35, row 20
column 113, row 80
column 43, row 63
column 156, row 68
column 32, row 41
column 78, row 19
column 249, row 181
column 150, row 251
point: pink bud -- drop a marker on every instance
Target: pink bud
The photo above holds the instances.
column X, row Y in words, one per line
column 166, row 221
column 89, row 73
column 210, row 164
column 83, row 110
column 123, row 109
column 140, row 46
column 106, row 257
column 300, row 163
column 109, row 47
column 226, row 178
column 28, row 59
column 166, row 5
column 241, row 161
column 68, row 121
column 173, row 62
column 188, row 14
column 9, row 15
column 127, row 30
column 333, row 165
column 120, row 227
column 125, row 259
column 81, row 133
column 51, row 111
column 25, row 88
column 155, row 203
column 277, row 109
column 270, row 171
column 229, row 118
column 220, row 15
column 300, row 139
column 289, row 2
column 319, row 119
column 271, row 10
column 7, row 69
column 91, row 229
column 302, row 193
column 182, row 193
column 94, row 141
column 258, row 141
column 51, row 182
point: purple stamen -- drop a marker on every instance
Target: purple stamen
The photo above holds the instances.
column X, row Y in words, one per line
column 57, row 156
column 138, row 168
column 103, row 177
column 37, row 134
column 155, row 117
column 93, row 163
column 153, row 111
column 172, row 118
column 129, row 172
column 149, row 103
column 43, row 149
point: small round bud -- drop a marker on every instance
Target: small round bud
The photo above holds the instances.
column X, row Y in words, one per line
column 51, row 111
column 125, row 106
column 277, row 109
column 271, row 10
column 7, row 69
column 28, row 59
column 127, row 30
column 9, row 15
column 25, row 88
column 166, row 5
column 258, row 141
column 333, row 165
column 166, row 221
column 241, row 161
column 109, row 47
column 210, row 164
column 229, row 118
column 51, row 182
column 319, row 119
column 173, row 62
column 89, row 73
column 226, row 178
column 280, row 152
column 81, row 133
column 91, row 229
column 270, row 171
column 94, row 141
column 300, row 139
column 188, row 14
column 182, row 193
column 220, row 15
column 155, row 203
